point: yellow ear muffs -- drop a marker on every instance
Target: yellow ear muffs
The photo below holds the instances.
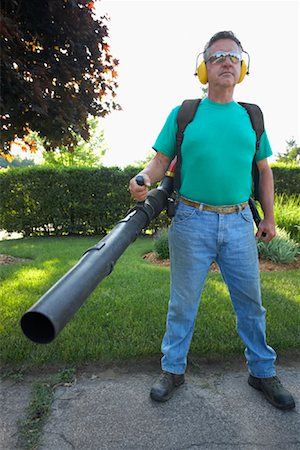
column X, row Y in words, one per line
column 244, row 70
column 202, row 72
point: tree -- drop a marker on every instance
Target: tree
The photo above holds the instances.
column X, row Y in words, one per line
column 16, row 162
column 85, row 153
column 56, row 70
column 292, row 153
column 204, row 91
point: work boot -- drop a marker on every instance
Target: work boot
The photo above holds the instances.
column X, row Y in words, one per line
column 164, row 387
column 274, row 392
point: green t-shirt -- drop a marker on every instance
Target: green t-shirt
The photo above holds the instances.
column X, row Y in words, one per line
column 217, row 152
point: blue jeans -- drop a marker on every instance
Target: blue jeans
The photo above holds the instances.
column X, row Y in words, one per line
column 196, row 238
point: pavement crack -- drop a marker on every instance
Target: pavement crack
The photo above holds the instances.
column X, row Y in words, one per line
column 63, row 437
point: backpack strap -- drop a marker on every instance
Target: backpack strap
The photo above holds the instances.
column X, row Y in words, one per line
column 257, row 121
column 185, row 115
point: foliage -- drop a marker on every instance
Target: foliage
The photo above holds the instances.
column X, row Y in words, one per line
column 281, row 249
column 161, row 221
column 144, row 162
column 124, row 318
column 85, row 154
column 286, row 178
column 56, row 69
column 16, row 162
column 292, row 153
column 287, row 214
column 65, row 200
column 161, row 244
column 47, row 200
column 204, row 90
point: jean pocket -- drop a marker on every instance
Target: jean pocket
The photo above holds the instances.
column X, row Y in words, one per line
column 246, row 214
column 184, row 213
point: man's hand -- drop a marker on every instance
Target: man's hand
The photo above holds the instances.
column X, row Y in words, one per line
column 139, row 193
column 266, row 230
column 152, row 173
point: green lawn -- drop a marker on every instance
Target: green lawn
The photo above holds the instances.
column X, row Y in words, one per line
column 125, row 316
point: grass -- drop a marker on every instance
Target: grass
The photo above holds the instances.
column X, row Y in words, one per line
column 39, row 408
column 36, row 415
column 124, row 318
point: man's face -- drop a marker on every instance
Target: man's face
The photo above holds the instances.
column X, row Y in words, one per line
column 224, row 73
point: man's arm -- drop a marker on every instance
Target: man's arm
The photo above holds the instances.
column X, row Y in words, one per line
column 266, row 193
column 152, row 173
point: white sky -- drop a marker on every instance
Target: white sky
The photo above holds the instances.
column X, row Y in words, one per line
column 157, row 43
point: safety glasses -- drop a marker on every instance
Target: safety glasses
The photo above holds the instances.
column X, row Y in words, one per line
column 220, row 57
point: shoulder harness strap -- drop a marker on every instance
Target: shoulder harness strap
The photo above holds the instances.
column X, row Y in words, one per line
column 257, row 121
column 185, row 115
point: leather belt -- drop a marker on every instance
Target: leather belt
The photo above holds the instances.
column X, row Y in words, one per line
column 218, row 209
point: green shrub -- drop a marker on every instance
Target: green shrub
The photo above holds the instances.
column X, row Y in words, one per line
column 41, row 200
column 286, row 178
column 287, row 214
column 281, row 249
column 161, row 244
column 160, row 222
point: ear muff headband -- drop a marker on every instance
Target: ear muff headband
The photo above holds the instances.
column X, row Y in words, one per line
column 202, row 72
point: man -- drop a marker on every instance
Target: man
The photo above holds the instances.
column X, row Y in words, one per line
column 213, row 221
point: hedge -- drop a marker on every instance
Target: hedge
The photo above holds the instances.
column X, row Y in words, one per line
column 60, row 201
column 41, row 200
column 286, row 178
